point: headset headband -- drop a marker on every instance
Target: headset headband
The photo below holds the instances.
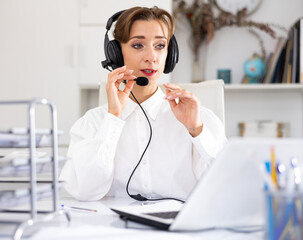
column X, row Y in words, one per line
column 113, row 19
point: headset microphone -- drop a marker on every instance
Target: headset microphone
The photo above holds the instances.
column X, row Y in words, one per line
column 142, row 81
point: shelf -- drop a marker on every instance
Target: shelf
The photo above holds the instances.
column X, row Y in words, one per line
column 236, row 87
column 28, row 163
column 229, row 87
column 258, row 102
column 14, row 194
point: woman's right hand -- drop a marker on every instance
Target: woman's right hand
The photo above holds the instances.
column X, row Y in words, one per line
column 117, row 99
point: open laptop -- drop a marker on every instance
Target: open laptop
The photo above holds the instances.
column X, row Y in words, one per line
column 229, row 195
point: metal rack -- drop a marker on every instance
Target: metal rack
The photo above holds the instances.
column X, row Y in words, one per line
column 32, row 146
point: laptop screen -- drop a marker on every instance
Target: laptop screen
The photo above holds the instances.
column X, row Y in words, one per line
column 231, row 192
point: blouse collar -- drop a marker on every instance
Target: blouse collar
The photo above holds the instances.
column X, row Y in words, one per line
column 151, row 106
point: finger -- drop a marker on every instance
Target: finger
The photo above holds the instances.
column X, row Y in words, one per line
column 129, row 77
column 182, row 95
column 113, row 77
column 117, row 84
column 171, row 86
column 177, row 93
column 189, row 98
column 123, row 70
column 119, row 70
column 172, row 103
column 124, row 78
column 127, row 74
column 119, row 73
column 128, row 87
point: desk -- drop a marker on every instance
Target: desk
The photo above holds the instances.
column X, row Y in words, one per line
column 105, row 224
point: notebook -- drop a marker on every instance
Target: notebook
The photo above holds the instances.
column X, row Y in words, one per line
column 230, row 194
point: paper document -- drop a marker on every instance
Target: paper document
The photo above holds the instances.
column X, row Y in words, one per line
column 14, row 194
column 17, row 163
column 19, row 137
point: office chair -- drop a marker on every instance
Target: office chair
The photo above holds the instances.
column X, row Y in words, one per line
column 210, row 93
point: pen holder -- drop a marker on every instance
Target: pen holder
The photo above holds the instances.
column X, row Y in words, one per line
column 284, row 215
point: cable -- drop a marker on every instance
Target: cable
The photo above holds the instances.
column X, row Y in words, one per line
column 139, row 197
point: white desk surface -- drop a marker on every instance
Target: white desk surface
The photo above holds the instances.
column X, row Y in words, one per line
column 105, row 224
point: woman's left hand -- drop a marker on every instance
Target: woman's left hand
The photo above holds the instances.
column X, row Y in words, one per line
column 186, row 110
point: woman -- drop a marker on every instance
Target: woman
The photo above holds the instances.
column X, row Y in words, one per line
column 108, row 141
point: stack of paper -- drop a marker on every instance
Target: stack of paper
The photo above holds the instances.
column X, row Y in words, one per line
column 17, row 163
column 14, row 194
column 20, row 137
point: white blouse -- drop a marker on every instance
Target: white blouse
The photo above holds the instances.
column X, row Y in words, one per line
column 105, row 149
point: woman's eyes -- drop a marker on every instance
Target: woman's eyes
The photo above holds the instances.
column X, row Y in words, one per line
column 139, row 46
column 160, row 46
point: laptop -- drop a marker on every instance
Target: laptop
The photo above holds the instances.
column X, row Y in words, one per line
column 230, row 194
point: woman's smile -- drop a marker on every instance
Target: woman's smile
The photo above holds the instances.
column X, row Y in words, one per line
column 148, row 72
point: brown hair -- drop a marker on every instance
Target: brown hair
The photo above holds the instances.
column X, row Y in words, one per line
column 127, row 18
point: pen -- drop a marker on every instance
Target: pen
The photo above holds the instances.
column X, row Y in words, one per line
column 273, row 168
column 79, row 208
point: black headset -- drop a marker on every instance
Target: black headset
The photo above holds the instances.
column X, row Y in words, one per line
column 113, row 53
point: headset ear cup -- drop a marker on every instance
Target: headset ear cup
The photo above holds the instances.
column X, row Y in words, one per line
column 115, row 54
column 172, row 55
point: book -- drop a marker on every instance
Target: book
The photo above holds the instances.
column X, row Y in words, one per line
column 278, row 73
column 300, row 34
column 288, row 58
column 274, row 59
column 294, row 56
column 297, row 71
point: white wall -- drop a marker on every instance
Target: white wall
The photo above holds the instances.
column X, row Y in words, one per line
column 232, row 46
column 38, row 41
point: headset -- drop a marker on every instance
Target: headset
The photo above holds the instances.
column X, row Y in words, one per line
column 113, row 52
